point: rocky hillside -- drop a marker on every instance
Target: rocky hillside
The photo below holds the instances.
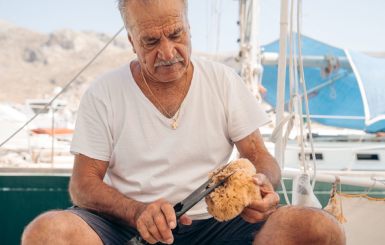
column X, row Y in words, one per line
column 32, row 64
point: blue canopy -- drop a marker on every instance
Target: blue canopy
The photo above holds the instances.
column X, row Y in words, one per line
column 348, row 96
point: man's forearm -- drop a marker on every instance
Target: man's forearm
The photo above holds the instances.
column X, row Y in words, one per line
column 88, row 190
column 267, row 165
column 95, row 195
column 253, row 148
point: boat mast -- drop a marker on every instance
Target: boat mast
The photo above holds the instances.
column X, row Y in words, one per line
column 250, row 53
column 279, row 147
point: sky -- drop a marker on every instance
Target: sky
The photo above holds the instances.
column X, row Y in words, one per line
column 353, row 24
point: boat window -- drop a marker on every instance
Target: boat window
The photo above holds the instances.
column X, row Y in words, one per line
column 366, row 156
column 309, row 156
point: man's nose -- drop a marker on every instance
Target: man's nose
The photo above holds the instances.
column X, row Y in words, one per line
column 166, row 50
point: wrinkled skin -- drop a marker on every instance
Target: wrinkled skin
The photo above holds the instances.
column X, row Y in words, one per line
column 160, row 36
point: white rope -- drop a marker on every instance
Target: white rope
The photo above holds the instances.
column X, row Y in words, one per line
column 279, row 150
column 305, row 93
column 294, row 91
column 279, row 127
column 301, row 181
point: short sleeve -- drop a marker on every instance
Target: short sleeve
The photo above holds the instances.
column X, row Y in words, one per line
column 92, row 136
column 245, row 114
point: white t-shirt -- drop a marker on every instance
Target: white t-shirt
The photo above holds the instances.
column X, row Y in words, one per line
column 148, row 159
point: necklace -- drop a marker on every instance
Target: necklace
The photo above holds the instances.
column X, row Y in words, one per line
column 174, row 119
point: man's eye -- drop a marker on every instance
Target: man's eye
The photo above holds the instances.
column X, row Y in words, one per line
column 151, row 42
column 176, row 35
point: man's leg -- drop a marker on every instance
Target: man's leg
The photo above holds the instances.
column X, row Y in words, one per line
column 212, row 232
column 301, row 225
column 59, row 227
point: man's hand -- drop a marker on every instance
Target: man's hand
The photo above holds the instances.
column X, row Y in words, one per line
column 155, row 220
column 260, row 210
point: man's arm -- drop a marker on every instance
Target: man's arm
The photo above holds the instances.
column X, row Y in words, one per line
column 154, row 221
column 253, row 148
column 267, row 178
column 87, row 190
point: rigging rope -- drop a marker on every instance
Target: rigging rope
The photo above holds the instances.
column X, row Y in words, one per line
column 64, row 88
column 295, row 107
column 305, row 93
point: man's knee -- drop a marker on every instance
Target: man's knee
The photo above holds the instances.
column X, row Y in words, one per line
column 55, row 227
column 303, row 225
column 38, row 227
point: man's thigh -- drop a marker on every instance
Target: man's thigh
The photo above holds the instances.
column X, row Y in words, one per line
column 210, row 231
column 109, row 232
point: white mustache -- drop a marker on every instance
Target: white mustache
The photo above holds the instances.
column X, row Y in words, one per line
column 169, row 62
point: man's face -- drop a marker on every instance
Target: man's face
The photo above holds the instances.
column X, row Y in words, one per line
column 161, row 38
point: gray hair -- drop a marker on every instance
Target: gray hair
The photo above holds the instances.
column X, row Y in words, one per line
column 122, row 4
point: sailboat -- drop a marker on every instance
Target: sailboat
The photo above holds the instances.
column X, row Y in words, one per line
column 32, row 191
column 331, row 86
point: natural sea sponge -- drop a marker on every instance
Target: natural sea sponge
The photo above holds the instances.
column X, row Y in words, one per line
column 228, row 200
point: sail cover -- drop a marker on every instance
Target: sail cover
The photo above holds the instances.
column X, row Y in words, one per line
column 348, row 96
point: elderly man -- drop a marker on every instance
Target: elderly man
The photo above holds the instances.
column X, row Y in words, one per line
column 156, row 127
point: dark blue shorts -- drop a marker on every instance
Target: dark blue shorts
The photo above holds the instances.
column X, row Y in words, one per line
column 206, row 231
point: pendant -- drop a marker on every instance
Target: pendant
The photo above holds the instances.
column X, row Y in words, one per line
column 174, row 124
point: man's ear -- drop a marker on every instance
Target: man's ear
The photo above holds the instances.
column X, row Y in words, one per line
column 132, row 43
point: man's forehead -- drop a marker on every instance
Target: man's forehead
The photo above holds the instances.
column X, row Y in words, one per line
column 155, row 13
column 156, row 28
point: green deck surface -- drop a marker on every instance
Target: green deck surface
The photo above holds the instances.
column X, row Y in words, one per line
column 22, row 198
